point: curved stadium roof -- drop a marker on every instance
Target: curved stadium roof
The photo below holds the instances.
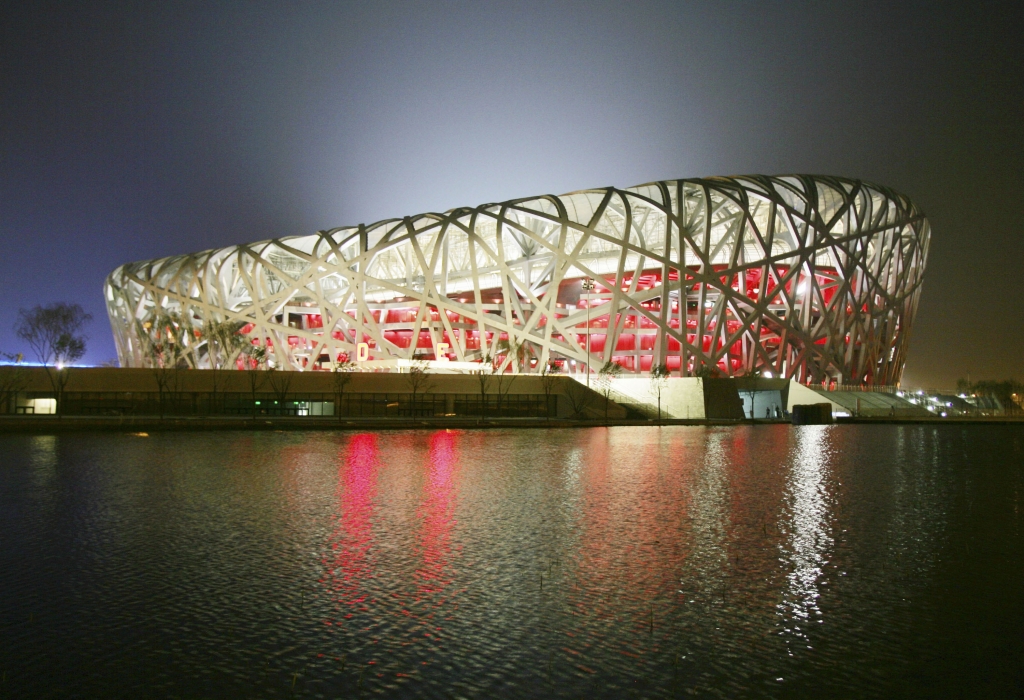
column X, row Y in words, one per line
column 815, row 278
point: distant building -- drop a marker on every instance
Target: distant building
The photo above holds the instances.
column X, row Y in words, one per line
column 812, row 278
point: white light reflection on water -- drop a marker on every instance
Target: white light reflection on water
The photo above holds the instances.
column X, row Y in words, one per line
column 44, row 457
column 808, row 541
column 572, row 479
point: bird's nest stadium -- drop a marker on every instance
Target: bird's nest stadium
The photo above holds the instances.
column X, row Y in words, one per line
column 811, row 278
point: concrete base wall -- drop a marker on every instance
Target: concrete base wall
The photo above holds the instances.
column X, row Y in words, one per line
column 681, row 397
column 800, row 394
column 33, row 386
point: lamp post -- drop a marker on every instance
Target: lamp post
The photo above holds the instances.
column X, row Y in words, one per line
column 588, row 287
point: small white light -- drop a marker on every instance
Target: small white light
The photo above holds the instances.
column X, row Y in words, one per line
column 708, row 304
column 767, row 375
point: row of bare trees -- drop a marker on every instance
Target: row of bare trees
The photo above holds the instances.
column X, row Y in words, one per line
column 659, row 376
column 499, row 371
column 169, row 344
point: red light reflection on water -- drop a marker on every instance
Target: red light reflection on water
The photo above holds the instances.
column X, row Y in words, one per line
column 346, row 562
column 437, row 514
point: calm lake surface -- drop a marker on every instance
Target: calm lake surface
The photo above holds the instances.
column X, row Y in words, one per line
column 756, row 561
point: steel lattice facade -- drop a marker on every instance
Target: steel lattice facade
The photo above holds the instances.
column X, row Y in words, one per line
column 815, row 278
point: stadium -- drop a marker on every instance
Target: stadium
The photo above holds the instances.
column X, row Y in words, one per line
column 810, row 278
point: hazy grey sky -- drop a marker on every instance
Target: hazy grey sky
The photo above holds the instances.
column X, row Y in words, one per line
column 133, row 131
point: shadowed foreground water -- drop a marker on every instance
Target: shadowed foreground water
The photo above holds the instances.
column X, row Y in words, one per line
column 850, row 561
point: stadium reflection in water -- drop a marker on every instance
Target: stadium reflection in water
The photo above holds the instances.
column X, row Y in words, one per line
column 622, row 562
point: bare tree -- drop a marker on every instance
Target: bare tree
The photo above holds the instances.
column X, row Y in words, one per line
column 578, row 396
column 164, row 349
column 280, row 383
column 606, row 376
column 500, row 379
column 256, row 365
column 515, row 355
column 342, row 377
column 520, row 352
column 483, row 378
column 13, row 379
column 54, row 334
column 224, row 342
column 503, row 383
column 419, row 380
column 548, row 381
column 705, row 371
column 659, row 380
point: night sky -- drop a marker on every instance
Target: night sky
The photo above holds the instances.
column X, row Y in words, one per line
column 139, row 130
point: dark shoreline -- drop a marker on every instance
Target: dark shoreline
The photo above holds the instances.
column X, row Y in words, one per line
column 50, row 424
column 44, row 425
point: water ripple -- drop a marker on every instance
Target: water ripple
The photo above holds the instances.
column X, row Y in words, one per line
column 765, row 561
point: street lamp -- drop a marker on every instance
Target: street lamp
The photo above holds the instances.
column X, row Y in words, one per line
column 588, row 287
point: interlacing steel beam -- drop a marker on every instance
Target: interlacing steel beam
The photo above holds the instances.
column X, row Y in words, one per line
column 814, row 278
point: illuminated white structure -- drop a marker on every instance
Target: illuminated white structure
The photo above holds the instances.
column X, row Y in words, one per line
column 816, row 278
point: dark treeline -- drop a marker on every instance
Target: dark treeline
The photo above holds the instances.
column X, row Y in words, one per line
column 1009, row 392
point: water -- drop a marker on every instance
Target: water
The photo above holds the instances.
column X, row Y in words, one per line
column 767, row 561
